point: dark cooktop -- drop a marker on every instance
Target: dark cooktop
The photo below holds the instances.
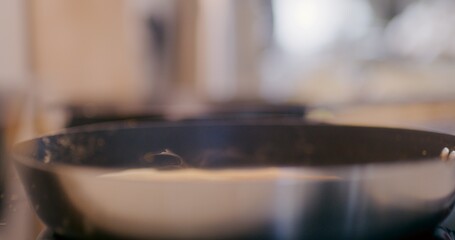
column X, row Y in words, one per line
column 439, row 234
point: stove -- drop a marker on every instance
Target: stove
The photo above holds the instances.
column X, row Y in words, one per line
column 440, row 234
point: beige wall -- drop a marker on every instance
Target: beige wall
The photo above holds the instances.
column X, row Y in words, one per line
column 86, row 50
column 13, row 63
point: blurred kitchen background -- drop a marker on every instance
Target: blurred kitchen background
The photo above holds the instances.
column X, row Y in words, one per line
column 369, row 62
column 57, row 56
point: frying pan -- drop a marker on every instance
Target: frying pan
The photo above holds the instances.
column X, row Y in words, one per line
column 242, row 180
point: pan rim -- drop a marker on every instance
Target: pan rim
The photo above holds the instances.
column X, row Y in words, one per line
column 19, row 157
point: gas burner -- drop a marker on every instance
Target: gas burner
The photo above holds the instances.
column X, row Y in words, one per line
column 440, row 234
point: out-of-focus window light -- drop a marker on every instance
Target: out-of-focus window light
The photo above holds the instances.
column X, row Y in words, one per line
column 423, row 31
column 310, row 26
